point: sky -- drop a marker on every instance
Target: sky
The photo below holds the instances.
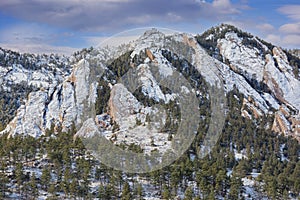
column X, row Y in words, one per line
column 64, row 26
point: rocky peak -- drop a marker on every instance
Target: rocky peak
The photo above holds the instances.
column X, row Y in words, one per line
column 152, row 34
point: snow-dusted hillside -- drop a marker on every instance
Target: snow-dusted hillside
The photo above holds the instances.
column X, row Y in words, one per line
column 263, row 75
column 21, row 74
column 133, row 95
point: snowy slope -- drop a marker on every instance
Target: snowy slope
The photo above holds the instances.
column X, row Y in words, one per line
column 266, row 80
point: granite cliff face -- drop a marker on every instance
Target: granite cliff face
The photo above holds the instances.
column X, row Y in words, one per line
column 262, row 73
column 271, row 75
column 60, row 105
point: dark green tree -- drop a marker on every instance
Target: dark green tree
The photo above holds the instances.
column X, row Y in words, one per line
column 166, row 194
column 3, row 185
column 45, row 178
column 235, row 187
column 189, row 193
column 126, row 194
column 34, row 192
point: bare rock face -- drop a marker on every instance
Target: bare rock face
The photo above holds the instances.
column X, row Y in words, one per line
column 29, row 119
column 243, row 60
column 150, row 55
column 285, row 87
column 281, row 124
column 130, row 115
column 286, row 123
column 70, row 98
column 249, row 106
column 295, row 121
column 123, row 105
column 275, row 72
column 281, row 81
column 62, row 106
column 282, row 60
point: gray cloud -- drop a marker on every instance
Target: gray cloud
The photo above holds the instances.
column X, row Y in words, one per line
column 287, row 41
column 290, row 31
column 292, row 11
column 27, row 33
column 265, row 27
column 99, row 15
column 39, row 48
column 290, row 28
column 32, row 38
column 293, row 40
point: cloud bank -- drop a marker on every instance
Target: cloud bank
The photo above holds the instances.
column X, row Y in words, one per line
column 83, row 20
column 100, row 15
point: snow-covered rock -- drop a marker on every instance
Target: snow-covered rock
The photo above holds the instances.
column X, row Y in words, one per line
column 62, row 105
column 122, row 106
column 30, row 117
column 247, row 65
column 243, row 60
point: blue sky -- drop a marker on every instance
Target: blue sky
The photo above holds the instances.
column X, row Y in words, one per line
column 63, row 26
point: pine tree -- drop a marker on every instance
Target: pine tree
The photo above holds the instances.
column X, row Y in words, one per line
column 221, row 182
column 235, row 187
column 3, row 185
column 101, row 192
column 295, row 178
column 211, row 195
column 188, row 195
column 85, row 187
column 74, row 186
column 166, row 192
column 52, row 189
column 33, row 186
column 175, row 178
column 45, row 178
column 19, row 176
column 139, row 191
column 126, row 195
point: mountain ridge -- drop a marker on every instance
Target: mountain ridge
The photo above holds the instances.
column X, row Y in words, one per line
column 134, row 95
column 242, row 65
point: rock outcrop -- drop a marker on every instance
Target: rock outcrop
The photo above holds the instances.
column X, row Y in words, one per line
column 61, row 106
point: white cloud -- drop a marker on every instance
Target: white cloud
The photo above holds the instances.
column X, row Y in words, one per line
column 109, row 41
column 274, row 39
column 292, row 11
column 221, row 3
column 39, row 48
column 26, row 33
column 99, row 15
column 290, row 28
column 33, row 38
column 224, row 6
column 291, row 40
column 290, row 31
column 265, row 27
column 286, row 41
